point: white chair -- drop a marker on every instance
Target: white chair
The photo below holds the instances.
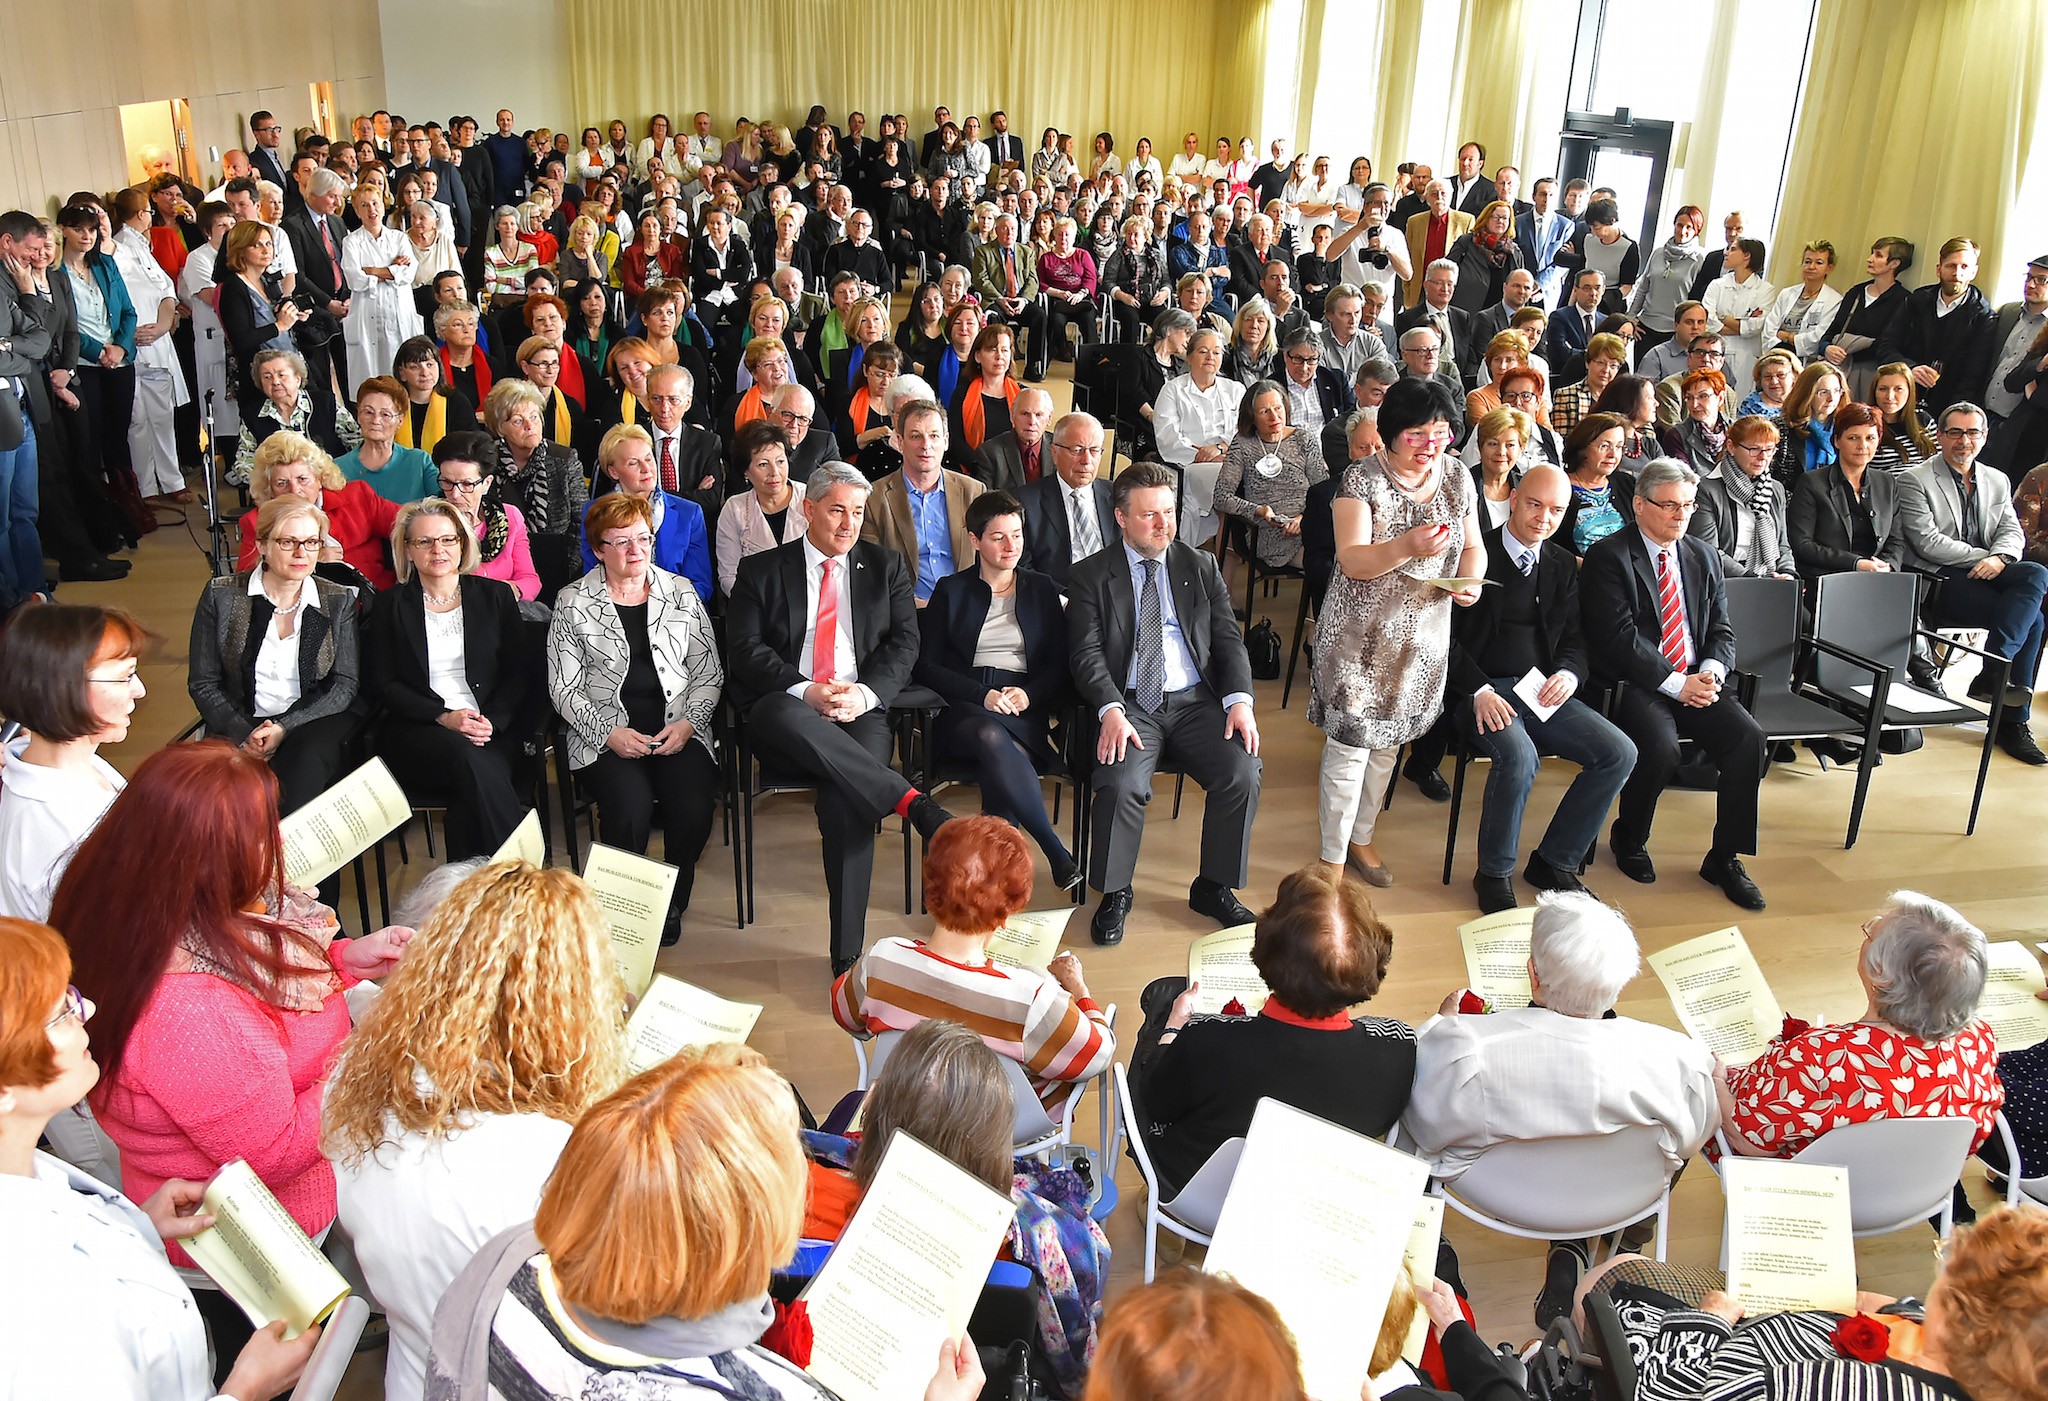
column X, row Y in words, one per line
column 332, row 1354
column 1193, row 1211
column 2017, row 1188
column 1901, row 1171
column 1567, row 1188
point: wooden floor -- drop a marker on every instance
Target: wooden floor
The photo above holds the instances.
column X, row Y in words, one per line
column 1807, row 940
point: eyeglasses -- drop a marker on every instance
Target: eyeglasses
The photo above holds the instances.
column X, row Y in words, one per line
column 1521, row 396
column 472, row 484
column 1302, row 359
column 75, row 1005
column 127, row 678
column 438, row 542
column 1085, row 449
column 1969, row 435
column 1706, row 353
column 1768, row 446
column 631, row 542
column 294, row 546
column 1419, row 437
column 1672, row 508
column 793, row 419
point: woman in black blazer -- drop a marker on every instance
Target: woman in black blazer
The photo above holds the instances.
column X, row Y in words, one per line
column 1844, row 516
column 995, row 646
column 447, row 662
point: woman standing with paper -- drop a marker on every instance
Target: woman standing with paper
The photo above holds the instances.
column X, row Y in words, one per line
column 455, row 1096
column 219, row 993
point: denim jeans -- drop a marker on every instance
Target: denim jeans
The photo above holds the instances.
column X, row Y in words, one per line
column 21, row 546
column 1576, row 732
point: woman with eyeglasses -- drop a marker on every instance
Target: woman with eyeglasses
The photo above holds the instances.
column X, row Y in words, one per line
column 1742, row 507
column 1592, row 462
column 68, row 677
column 563, row 421
column 544, row 480
column 634, row 671
column 442, row 658
column 358, row 520
column 1807, row 424
column 464, row 464
column 681, row 540
column 1701, row 437
column 395, row 472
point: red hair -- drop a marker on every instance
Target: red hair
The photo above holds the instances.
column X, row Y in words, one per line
column 976, row 874
column 1194, row 1337
column 189, row 849
column 34, row 968
column 1859, row 415
column 1713, row 379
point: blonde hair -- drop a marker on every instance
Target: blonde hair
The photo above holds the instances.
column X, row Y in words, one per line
column 401, row 535
column 615, row 439
column 1504, row 420
column 1257, row 306
column 283, row 448
column 279, row 509
column 508, row 394
column 507, row 1002
column 679, row 1193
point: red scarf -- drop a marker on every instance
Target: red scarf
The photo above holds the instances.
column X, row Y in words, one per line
column 479, row 363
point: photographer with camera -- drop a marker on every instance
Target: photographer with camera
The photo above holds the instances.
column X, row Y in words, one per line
column 1372, row 252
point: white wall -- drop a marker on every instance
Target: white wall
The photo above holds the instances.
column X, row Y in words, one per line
column 475, row 56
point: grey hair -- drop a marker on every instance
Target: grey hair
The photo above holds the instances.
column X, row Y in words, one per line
column 1341, row 291
column 268, row 189
column 417, row 905
column 903, row 389
column 671, row 372
column 448, row 312
column 1408, row 336
column 1583, row 952
column 1441, row 265
column 1201, row 331
column 327, row 182
column 1927, row 966
column 1662, row 471
column 1171, row 320
column 432, row 209
column 827, row 475
column 290, row 357
column 1377, row 371
column 1358, row 417
column 790, row 390
column 500, row 212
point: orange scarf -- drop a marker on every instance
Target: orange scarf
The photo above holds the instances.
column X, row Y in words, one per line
column 751, row 407
column 858, row 411
column 972, row 416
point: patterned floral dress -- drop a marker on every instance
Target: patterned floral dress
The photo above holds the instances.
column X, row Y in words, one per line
column 1823, row 1078
column 1382, row 645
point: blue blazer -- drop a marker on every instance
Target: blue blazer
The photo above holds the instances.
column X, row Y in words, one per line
column 680, row 544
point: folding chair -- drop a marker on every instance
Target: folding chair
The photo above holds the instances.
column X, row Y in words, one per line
column 1901, row 1171
column 1192, row 1212
column 1567, row 1188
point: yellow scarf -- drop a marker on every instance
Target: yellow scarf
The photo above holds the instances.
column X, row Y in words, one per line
column 629, row 407
column 432, row 430
column 561, row 433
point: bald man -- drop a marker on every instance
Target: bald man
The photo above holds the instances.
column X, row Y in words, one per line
column 1014, row 460
column 1530, row 624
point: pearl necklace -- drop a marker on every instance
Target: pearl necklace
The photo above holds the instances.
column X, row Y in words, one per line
column 447, row 600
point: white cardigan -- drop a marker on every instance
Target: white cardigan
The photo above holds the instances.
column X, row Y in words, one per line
column 1808, row 334
column 743, row 530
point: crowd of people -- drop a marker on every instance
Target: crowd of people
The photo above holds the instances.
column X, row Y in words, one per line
column 623, row 449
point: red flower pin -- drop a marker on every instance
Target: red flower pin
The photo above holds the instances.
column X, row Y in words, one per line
column 1233, row 1008
column 1862, row 1338
column 790, row 1334
column 1793, row 1027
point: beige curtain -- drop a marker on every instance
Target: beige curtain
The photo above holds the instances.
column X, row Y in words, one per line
column 1151, row 68
column 1916, row 122
column 1490, row 85
column 1400, row 39
column 1703, row 145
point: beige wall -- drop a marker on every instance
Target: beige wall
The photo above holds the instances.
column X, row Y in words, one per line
column 74, row 64
column 475, row 56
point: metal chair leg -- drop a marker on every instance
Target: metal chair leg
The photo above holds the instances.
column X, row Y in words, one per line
column 1457, row 806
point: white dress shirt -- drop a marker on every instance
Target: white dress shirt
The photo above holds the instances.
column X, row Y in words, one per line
column 277, row 658
column 842, row 650
column 1675, row 682
column 44, row 815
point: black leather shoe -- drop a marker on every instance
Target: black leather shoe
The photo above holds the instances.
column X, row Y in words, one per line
column 1633, row 862
column 1544, row 876
column 1560, row 1282
column 1108, row 925
column 1727, row 872
column 1430, row 783
column 1496, row 893
column 927, row 816
column 672, row 929
column 2018, row 741
column 1218, row 902
column 1068, row 877
column 94, row 571
column 1923, row 673
column 840, row 965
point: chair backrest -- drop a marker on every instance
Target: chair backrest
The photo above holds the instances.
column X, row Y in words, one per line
column 1765, row 616
column 1567, row 1187
column 1200, row 1202
column 335, row 1350
column 1031, row 1124
column 1900, row 1170
column 1869, row 614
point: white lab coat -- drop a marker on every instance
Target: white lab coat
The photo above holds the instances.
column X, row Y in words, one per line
column 1812, row 329
column 1747, row 302
column 381, row 315
column 159, row 380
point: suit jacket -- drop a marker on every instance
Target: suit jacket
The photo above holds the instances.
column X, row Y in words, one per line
column 988, row 272
column 1466, row 346
column 1919, row 337
column 269, row 165
column 1565, row 335
column 1984, row 357
column 451, row 192
column 707, row 277
column 1000, row 461
column 1247, row 268
column 318, row 273
column 1475, row 196
column 395, row 653
column 1332, row 392
column 588, row 659
column 1821, row 528
column 1618, row 596
column 1416, row 231
column 1539, row 238
column 682, row 542
column 1102, row 615
column 1561, row 635
column 227, row 632
column 1004, row 146
column 1715, row 522
column 888, row 519
column 949, row 630
column 768, row 616
column 1931, row 517
column 1048, row 543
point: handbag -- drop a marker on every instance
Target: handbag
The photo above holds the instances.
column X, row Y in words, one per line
column 13, row 427
column 1262, row 648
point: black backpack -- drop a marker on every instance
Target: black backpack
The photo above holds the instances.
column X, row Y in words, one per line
column 1262, row 646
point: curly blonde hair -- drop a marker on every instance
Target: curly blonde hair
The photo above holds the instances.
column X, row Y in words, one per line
column 284, row 448
column 508, row 1001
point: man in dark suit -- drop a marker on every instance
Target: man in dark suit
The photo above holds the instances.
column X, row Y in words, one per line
column 1572, row 324
column 1067, row 511
column 1159, row 660
column 1471, row 191
column 1530, row 622
column 1453, row 325
column 932, row 138
column 1516, row 292
column 1006, row 280
column 1317, row 395
column 1656, row 612
column 1014, row 460
column 449, row 189
column 1421, row 359
column 719, row 270
column 1005, row 148
column 267, row 157
column 1939, row 331
column 827, row 716
column 315, row 231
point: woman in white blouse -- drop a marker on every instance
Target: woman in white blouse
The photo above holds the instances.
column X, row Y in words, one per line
column 1194, row 418
column 159, row 382
column 767, row 513
column 378, row 264
column 68, row 678
column 1798, row 320
column 657, row 143
column 1737, row 302
column 433, row 252
column 1143, row 162
column 458, row 1089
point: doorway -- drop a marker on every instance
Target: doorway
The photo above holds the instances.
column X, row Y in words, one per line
column 1629, row 156
column 157, row 136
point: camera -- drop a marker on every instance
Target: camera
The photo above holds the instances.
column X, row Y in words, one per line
column 307, row 302
column 1374, row 256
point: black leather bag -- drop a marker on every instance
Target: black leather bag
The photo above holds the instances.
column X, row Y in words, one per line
column 13, row 427
column 1262, row 647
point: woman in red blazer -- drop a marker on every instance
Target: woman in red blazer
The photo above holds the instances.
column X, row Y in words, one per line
column 650, row 260
column 360, row 520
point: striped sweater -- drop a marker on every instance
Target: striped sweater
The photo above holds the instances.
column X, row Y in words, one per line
column 1020, row 1012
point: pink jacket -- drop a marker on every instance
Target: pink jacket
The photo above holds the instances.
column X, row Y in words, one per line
column 212, row 1074
column 514, row 564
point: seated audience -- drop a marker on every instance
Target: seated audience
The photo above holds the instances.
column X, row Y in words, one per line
column 767, row 513
column 563, row 421
column 464, row 463
column 1806, row 424
column 1267, row 471
column 1845, row 516
column 977, row 874
column 466, row 364
column 980, row 407
column 1254, row 349
column 1067, row 512
column 1775, row 371
column 69, row 677
column 1704, row 353
column 638, row 715
column 544, row 480
column 1014, row 460
column 395, row 472
column 1908, row 428
column 626, row 457
column 444, row 660
column 1562, row 1067
column 455, row 1095
column 219, row 994
column 688, row 457
column 1194, row 416
column 1497, row 440
column 93, row 1307
column 430, row 412
column 863, row 419
column 288, row 406
column 1196, row 1079
column 1700, row 437
column 1741, row 508
column 920, row 510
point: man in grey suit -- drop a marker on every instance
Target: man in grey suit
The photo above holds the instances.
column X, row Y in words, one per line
column 1067, row 511
column 2008, row 339
column 1960, row 527
column 1014, row 460
column 1159, row 660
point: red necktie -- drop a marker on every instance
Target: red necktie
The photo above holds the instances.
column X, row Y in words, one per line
column 1031, row 463
column 327, row 241
column 668, row 465
column 1009, row 273
column 825, row 641
column 1670, row 614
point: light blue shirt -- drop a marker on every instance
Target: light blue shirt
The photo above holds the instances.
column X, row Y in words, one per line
column 1180, row 661
column 934, row 534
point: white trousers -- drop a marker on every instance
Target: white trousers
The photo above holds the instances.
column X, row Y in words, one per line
column 152, row 432
column 1349, row 787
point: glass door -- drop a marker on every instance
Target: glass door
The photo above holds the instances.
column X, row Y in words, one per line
column 1627, row 156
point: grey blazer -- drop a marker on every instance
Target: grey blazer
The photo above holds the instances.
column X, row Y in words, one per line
column 227, row 631
column 1714, row 523
column 1931, row 517
column 588, row 658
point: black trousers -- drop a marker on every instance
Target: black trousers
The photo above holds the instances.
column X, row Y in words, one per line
column 856, row 789
column 1728, row 733
column 475, row 782
column 1031, row 319
column 626, row 790
column 308, row 760
column 1000, row 748
column 1058, row 313
column 108, row 399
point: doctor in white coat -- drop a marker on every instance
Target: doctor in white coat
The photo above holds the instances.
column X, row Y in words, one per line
column 377, row 263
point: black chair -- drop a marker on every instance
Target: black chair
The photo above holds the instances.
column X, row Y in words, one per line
column 1768, row 656
column 1865, row 619
column 1302, row 614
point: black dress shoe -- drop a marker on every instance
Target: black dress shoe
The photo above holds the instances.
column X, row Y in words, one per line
column 1429, row 782
column 1544, row 876
column 1633, row 862
column 1108, row 925
column 927, row 816
column 1560, row 1282
column 840, row 965
column 1496, row 893
column 672, row 929
column 94, row 571
column 1727, row 872
column 1923, row 673
column 1219, row 902
column 2018, row 741
column 1068, row 876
